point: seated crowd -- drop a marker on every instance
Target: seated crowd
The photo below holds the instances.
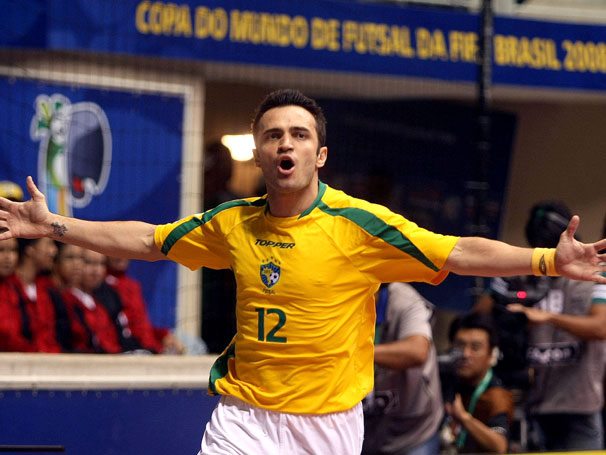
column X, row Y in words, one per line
column 56, row 297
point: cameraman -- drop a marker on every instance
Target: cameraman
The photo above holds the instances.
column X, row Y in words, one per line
column 402, row 414
column 565, row 344
column 479, row 408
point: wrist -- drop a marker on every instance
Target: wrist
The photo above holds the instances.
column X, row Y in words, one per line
column 55, row 227
column 466, row 418
column 543, row 262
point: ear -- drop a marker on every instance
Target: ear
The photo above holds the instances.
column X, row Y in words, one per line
column 494, row 356
column 256, row 157
column 322, row 156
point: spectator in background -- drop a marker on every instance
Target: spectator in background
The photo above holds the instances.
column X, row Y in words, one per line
column 66, row 279
column 565, row 345
column 402, row 415
column 41, row 319
column 93, row 330
column 480, row 409
column 99, row 326
column 16, row 333
column 67, row 270
column 15, row 325
column 219, row 289
column 36, row 259
column 154, row 339
column 93, row 282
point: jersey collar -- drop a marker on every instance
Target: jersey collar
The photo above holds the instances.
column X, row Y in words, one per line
column 314, row 204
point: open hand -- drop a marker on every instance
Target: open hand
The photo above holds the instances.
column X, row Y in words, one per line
column 577, row 260
column 28, row 219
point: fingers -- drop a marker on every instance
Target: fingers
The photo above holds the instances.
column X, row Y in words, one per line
column 516, row 308
column 32, row 189
column 600, row 245
column 573, row 225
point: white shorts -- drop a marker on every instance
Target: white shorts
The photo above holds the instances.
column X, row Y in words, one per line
column 238, row 428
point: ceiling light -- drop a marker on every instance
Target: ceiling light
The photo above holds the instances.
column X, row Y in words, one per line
column 240, row 146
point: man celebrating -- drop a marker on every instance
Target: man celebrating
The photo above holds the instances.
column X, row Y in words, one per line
column 308, row 260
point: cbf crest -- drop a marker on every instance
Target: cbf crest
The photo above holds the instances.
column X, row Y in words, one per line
column 270, row 272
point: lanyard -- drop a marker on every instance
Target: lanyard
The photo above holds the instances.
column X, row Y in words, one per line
column 480, row 389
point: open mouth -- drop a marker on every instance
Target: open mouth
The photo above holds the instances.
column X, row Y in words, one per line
column 286, row 164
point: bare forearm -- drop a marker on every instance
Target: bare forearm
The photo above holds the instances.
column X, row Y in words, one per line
column 130, row 239
column 399, row 355
column 491, row 258
column 583, row 327
column 488, row 439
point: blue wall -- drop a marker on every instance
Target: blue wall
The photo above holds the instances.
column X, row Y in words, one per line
column 108, row 422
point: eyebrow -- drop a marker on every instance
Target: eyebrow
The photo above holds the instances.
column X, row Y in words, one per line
column 280, row 130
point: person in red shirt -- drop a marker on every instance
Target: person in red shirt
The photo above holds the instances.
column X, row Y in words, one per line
column 36, row 258
column 28, row 315
column 15, row 327
column 155, row 339
column 81, row 271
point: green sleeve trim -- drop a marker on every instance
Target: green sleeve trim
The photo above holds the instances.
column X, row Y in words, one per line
column 379, row 228
column 220, row 369
column 188, row 226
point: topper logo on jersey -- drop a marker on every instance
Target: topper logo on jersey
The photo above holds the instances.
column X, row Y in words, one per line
column 270, row 272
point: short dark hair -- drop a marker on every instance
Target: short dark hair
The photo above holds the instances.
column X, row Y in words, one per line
column 292, row 97
column 23, row 244
column 474, row 320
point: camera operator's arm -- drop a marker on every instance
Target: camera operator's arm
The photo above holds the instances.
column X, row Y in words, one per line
column 409, row 352
column 489, row 439
column 408, row 316
column 586, row 327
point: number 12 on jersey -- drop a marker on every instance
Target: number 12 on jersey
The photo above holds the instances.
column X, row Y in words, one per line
column 264, row 314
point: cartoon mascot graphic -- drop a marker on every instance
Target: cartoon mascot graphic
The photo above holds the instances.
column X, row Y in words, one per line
column 74, row 157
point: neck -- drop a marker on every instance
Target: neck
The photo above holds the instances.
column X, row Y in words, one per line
column 291, row 204
column 477, row 380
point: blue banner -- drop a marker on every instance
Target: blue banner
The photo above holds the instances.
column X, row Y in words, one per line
column 99, row 154
column 316, row 34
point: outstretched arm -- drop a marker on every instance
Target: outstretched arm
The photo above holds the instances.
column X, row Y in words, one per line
column 485, row 257
column 32, row 219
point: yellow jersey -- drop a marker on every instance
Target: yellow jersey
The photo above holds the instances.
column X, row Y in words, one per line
column 305, row 293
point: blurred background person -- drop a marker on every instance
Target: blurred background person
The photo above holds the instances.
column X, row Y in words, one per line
column 15, row 326
column 65, row 278
column 36, row 259
column 154, row 339
column 16, row 333
column 93, row 283
column 402, row 414
column 479, row 408
column 45, row 317
column 67, row 269
column 565, row 344
column 218, row 286
column 94, row 329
